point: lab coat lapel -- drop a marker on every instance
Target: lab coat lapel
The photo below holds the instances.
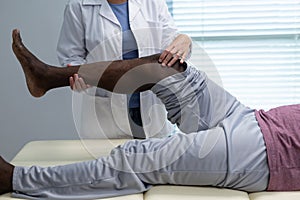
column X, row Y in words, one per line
column 134, row 8
column 105, row 10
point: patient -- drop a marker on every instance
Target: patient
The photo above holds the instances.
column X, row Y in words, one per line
column 226, row 144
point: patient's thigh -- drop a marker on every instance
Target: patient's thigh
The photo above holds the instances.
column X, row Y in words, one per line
column 197, row 158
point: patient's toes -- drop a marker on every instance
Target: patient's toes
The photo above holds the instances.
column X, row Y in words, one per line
column 16, row 36
column 17, row 41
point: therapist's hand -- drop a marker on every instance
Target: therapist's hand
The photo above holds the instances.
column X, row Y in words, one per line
column 178, row 49
column 77, row 83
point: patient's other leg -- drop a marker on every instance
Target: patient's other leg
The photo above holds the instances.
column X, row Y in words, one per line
column 6, row 174
column 41, row 77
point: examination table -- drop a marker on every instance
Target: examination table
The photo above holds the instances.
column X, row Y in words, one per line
column 46, row 153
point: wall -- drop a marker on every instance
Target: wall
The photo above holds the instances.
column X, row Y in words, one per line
column 24, row 118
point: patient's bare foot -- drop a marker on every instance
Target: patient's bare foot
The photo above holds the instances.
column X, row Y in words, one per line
column 6, row 174
column 34, row 69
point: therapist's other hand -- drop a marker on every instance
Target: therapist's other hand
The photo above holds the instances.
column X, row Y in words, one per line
column 178, row 49
column 77, row 83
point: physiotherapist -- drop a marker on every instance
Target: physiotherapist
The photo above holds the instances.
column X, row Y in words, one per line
column 103, row 30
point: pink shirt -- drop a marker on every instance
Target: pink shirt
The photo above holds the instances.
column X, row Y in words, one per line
column 281, row 129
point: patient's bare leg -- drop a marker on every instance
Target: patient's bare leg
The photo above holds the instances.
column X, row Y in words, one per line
column 6, row 174
column 33, row 68
column 41, row 77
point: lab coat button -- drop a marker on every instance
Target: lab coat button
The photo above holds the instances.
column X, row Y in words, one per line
column 116, row 31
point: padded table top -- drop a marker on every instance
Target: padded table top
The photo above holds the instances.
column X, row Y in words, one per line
column 57, row 152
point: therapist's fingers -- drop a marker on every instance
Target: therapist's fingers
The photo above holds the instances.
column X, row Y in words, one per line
column 171, row 55
column 78, row 83
column 163, row 56
column 82, row 83
column 176, row 56
column 72, row 82
column 183, row 57
column 168, row 57
column 178, row 49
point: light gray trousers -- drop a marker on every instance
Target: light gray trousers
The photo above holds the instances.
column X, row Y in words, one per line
column 222, row 146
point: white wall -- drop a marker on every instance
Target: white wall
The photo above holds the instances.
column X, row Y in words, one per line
column 24, row 118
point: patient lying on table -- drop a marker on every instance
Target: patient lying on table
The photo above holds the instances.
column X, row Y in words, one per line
column 226, row 143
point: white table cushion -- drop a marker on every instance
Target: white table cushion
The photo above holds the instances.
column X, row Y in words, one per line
column 275, row 196
column 193, row 193
column 58, row 152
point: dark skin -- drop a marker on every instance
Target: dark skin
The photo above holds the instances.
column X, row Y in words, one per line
column 126, row 77
column 6, row 175
column 41, row 77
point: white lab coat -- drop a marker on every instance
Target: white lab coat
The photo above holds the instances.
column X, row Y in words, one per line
column 91, row 33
